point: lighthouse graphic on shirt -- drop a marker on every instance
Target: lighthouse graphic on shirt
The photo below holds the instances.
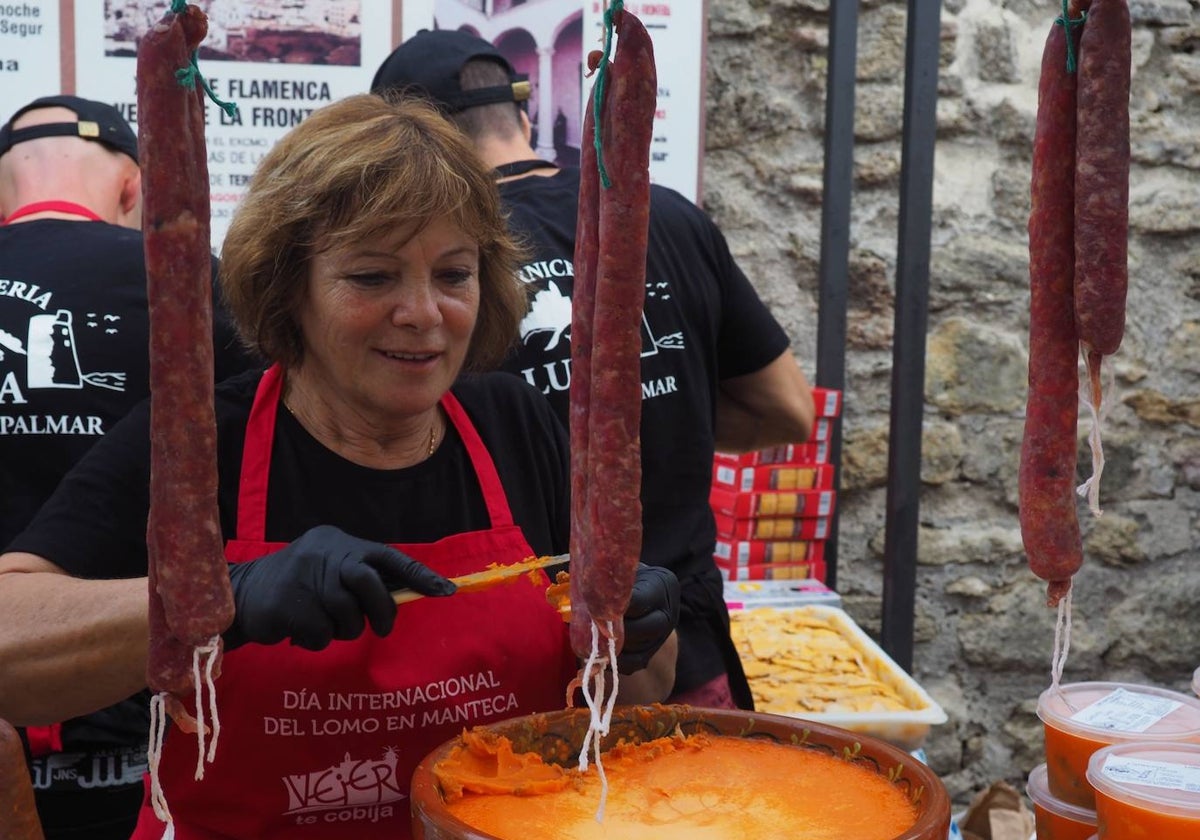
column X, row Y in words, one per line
column 545, row 351
column 51, row 360
column 47, row 386
column 548, row 322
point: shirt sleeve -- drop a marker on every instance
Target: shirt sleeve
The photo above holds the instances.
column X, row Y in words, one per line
column 748, row 336
column 94, row 525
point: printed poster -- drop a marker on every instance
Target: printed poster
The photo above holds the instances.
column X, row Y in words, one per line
column 30, row 59
column 277, row 60
column 547, row 42
column 677, row 29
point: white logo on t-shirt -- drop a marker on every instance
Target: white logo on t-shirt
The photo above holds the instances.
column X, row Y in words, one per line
column 549, row 312
column 44, row 356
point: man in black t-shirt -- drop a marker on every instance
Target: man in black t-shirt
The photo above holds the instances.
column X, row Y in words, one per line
column 716, row 367
column 74, row 335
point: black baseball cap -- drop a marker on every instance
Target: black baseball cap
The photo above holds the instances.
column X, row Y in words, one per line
column 97, row 121
column 429, row 63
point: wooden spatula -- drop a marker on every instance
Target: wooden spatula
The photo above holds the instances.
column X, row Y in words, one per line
column 489, row 577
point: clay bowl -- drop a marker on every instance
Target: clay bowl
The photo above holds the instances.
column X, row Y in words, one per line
column 557, row 737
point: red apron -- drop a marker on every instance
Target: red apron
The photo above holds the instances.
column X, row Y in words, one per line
column 323, row 744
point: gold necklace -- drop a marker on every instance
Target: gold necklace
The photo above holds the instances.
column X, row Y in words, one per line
column 432, row 429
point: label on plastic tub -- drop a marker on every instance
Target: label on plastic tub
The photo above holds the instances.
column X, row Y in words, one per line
column 1159, row 774
column 1126, row 711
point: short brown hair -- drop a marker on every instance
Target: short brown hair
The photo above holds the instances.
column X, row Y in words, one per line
column 500, row 119
column 358, row 168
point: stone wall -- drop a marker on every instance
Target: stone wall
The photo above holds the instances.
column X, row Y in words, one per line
column 983, row 635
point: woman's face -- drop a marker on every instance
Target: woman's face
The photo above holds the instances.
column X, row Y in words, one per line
column 387, row 322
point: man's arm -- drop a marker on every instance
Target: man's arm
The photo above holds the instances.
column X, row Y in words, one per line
column 653, row 683
column 770, row 407
column 67, row 646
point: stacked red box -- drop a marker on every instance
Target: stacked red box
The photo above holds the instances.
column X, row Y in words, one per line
column 803, row 476
column 771, row 559
column 773, row 507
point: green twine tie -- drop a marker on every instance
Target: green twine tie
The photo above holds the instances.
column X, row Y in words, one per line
column 188, row 76
column 598, row 91
column 1066, row 22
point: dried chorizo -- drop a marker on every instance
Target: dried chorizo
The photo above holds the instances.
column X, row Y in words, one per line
column 615, row 413
column 583, row 299
column 1102, row 177
column 18, row 813
column 189, row 576
column 1102, row 205
column 609, row 295
column 1048, row 516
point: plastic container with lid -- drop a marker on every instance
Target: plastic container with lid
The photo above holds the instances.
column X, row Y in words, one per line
column 1147, row 789
column 1081, row 718
column 1055, row 819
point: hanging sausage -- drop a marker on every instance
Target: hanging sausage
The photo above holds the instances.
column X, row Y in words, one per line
column 191, row 602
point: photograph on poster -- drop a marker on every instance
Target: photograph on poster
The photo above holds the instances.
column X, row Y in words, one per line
column 544, row 42
column 321, row 32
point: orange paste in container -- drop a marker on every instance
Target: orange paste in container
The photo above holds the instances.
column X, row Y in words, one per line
column 1147, row 790
column 698, row 787
column 1055, row 819
column 1071, row 737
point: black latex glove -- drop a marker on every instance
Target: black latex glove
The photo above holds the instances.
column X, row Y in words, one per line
column 325, row 585
column 652, row 614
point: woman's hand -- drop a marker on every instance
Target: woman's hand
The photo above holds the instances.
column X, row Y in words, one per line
column 326, row 585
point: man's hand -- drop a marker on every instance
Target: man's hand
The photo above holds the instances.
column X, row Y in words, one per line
column 651, row 616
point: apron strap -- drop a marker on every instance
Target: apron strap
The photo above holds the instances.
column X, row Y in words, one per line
column 485, row 468
column 256, row 457
column 260, row 440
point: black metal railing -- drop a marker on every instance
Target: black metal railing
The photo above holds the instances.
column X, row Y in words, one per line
column 912, row 291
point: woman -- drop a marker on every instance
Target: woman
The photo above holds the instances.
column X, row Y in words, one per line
column 369, row 261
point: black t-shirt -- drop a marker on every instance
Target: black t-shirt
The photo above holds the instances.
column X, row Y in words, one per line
column 703, row 323
column 74, row 359
column 94, row 525
column 74, row 351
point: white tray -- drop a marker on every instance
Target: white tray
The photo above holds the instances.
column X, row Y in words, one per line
column 747, row 594
column 906, row 729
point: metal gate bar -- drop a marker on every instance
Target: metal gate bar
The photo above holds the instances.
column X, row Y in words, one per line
column 908, row 342
column 835, row 230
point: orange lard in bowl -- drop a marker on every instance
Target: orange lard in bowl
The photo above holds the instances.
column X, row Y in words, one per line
column 1081, row 718
column 1147, row 791
column 1055, row 819
column 675, row 773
